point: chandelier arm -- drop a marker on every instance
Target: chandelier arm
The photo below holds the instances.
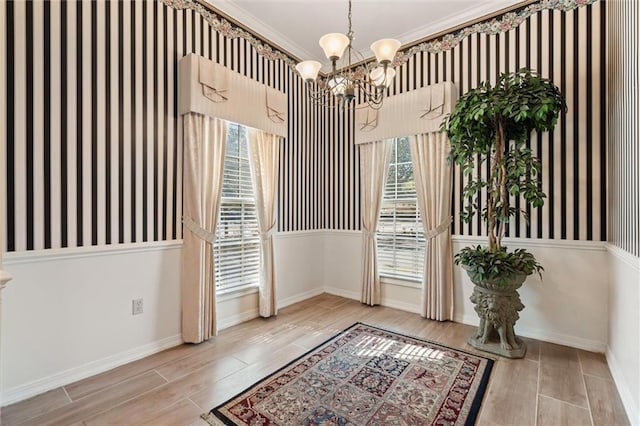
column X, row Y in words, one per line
column 346, row 82
column 371, row 92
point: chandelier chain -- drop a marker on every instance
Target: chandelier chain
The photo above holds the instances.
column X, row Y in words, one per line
column 350, row 33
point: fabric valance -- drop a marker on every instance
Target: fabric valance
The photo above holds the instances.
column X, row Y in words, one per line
column 208, row 88
column 411, row 113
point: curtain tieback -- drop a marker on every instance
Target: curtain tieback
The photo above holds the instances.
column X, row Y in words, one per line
column 368, row 233
column 432, row 233
column 198, row 230
column 264, row 236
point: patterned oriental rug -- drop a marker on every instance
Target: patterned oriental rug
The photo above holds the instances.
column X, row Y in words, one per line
column 365, row 376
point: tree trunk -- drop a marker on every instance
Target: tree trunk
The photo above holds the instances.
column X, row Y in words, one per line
column 496, row 182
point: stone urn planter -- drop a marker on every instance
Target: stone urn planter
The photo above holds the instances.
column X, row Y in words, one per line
column 497, row 304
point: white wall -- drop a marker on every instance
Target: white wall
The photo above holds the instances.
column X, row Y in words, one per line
column 67, row 313
column 623, row 348
column 568, row 307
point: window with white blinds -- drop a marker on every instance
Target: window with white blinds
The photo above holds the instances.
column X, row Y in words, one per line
column 237, row 246
column 400, row 234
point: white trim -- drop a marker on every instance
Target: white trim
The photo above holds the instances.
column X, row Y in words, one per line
column 459, row 18
column 259, row 27
column 520, row 242
column 385, row 301
column 624, row 256
column 543, row 335
column 403, row 306
column 633, row 410
column 342, row 293
column 300, row 297
column 48, row 255
column 534, row 242
column 89, row 369
column 236, row 319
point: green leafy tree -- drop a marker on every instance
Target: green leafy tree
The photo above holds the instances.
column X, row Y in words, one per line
column 492, row 124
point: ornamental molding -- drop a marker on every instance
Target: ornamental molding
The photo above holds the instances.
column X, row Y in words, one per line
column 499, row 24
column 228, row 29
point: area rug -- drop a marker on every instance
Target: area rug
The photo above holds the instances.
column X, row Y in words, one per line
column 365, row 376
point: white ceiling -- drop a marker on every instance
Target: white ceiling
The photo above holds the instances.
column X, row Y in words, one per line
column 296, row 25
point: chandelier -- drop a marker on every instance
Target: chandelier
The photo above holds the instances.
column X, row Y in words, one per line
column 367, row 81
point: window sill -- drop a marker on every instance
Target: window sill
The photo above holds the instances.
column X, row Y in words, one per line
column 236, row 292
column 400, row 282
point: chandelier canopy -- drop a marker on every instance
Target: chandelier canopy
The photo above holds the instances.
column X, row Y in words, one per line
column 344, row 83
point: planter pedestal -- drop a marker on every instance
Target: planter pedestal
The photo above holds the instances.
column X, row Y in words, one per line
column 498, row 305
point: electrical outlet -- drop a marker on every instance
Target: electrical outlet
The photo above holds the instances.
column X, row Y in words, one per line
column 136, row 306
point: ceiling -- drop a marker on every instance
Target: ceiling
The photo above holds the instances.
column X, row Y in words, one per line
column 296, row 25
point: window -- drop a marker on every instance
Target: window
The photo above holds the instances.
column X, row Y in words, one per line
column 400, row 233
column 237, row 246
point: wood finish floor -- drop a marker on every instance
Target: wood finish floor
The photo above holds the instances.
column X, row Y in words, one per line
column 553, row 385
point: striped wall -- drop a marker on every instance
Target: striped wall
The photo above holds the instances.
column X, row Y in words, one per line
column 567, row 47
column 92, row 140
column 341, row 177
column 623, row 44
column 92, row 143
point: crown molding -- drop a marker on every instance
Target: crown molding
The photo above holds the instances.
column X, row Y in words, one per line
column 484, row 11
column 258, row 27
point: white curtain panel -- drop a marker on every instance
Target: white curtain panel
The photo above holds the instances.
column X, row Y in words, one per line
column 264, row 151
column 432, row 174
column 374, row 165
column 205, row 141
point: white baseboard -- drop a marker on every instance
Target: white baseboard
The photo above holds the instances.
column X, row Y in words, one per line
column 342, row 293
column 389, row 303
column 633, row 410
column 544, row 335
column 254, row 313
column 403, row 306
column 299, row 297
column 238, row 319
column 87, row 370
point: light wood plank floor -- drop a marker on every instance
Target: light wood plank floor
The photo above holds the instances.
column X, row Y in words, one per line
column 553, row 385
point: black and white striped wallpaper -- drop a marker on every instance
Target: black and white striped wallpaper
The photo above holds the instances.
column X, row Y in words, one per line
column 624, row 128
column 569, row 48
column 93, row 143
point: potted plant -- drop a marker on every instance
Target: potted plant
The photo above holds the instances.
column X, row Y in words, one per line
column 491, row 124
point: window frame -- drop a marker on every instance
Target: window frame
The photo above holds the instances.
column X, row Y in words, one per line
column 387, row 276
column 248, row 216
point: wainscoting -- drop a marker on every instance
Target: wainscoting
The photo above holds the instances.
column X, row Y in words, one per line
column 68, row 313
column 567, row 307
column 623, row 349
column 58, row 326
